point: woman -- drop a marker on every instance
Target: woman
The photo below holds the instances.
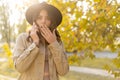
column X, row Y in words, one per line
column 39, row 54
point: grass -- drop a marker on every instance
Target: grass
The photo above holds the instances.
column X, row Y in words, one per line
column 82, row 76
column 77, row 76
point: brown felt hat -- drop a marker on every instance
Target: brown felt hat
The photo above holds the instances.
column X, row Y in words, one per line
column 34, row 10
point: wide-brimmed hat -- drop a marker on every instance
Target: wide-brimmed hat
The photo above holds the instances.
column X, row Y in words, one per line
column 34, row 10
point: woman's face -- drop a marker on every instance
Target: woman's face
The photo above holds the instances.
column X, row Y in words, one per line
column 43, row 18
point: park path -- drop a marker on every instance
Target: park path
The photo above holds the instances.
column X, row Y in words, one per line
column 86, row 70
column 93, row 71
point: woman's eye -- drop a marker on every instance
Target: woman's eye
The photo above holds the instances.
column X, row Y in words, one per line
column 39, row 17
column 48, row 18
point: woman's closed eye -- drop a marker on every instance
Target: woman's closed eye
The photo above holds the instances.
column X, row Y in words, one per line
column 48, row 18
column 39, row 17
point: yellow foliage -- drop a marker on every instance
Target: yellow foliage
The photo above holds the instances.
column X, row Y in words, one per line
column 74, row 59
column 8, row 54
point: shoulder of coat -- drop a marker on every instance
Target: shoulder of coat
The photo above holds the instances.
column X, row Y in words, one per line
column 23, row 35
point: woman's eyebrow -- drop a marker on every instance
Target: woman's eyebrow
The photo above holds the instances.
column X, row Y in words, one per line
column 41, row 15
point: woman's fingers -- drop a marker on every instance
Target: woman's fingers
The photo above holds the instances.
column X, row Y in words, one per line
column 47, row 34
column 33, row 33
column 35, row 28
column 45, row 30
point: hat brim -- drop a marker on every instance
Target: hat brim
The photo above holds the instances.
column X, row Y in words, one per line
column 34, row 9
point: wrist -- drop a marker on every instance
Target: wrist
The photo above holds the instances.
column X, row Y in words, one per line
column 37, row 43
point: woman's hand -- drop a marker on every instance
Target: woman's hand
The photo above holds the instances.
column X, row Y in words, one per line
column 49, row 36
column 33, row 34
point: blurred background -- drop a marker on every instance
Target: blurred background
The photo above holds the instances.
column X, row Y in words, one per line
column 90, row 30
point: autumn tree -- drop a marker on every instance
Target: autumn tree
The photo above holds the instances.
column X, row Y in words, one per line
column 5, row 29
column 94, row 29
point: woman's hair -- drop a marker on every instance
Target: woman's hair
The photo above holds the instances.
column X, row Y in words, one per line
column 51, row 27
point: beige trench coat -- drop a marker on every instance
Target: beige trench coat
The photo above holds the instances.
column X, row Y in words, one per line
column 29, row 59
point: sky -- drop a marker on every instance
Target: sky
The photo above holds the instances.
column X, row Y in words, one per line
column 16, row 15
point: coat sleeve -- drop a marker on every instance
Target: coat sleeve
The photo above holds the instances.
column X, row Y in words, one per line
column 23, row 57
column 59, row 57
